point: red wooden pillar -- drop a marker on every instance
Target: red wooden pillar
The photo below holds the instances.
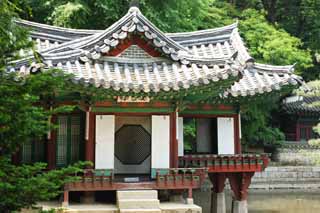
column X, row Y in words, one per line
column 90, row 142
column 16, row 157
column 240, row 183
column 65, row 198
column 297, row 130
column 218, row 181
column 237, row 145
column 51, row 146
column 173, row 140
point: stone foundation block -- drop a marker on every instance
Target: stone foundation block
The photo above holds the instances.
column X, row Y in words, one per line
column 218, row 203
column 138, row 203
column 239, row 206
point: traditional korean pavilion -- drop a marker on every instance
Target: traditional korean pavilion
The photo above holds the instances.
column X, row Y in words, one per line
column 158, row 82
column 300, row 115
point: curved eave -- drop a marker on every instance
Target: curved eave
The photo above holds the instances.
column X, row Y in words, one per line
column 301, row 105
column 152, row 77
column 260, row 79
column 67, row 33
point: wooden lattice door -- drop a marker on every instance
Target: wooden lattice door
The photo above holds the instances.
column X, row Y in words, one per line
column 33, row 151
column 70, row 140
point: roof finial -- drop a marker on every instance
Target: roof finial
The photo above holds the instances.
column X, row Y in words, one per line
column 134, row 6
column 134, row 3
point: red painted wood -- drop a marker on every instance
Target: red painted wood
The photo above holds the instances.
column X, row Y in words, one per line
column 240, row 183
column 66, row 197
column 218, row 181
column 226, row 164
column 90, row 143
column 209, row 107
column 156, row 104
column 190, row 193
column 16, row 157
column 298, row 131
column 174, row 159
column 237, row 142
column 134, row 40
column 205, row 115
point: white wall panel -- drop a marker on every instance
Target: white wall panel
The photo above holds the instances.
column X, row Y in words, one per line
column 105, row 129
column 160, row 147
column 180, row 136
column 225, row 136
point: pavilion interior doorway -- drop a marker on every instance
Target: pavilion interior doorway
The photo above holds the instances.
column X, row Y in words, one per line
column 132, row 145
column 211, row 135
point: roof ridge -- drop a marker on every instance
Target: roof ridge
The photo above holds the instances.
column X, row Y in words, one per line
column 277, row 68
column 206, row 31
column 131, row 22
column 52, row 27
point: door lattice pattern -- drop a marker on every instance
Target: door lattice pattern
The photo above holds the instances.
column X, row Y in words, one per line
column 132, row 144
column 69, row 140
column 62, row 141
column 33, row 151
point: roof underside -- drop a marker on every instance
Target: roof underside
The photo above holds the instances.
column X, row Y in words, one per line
column 186, row 60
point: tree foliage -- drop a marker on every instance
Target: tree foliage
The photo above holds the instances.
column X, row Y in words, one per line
column 258, row 120
column 24, row 115
column 271, row 45
column 23, row 186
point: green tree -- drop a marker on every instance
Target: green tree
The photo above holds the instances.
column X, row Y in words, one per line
column 22, row 118
column 271, row 45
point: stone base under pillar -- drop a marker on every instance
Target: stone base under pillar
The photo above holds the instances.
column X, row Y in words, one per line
column 239, row 206
column 218, row 202
column 189, row 201
column 65, row 204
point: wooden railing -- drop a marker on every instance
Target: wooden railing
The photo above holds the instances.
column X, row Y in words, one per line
column 92, row 178
column 182, row 177
column 226, row 163
column 179, row 178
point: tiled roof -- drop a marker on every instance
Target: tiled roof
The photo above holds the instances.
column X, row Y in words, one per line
column 302, row 105
column 187, row 59
column 144, row 75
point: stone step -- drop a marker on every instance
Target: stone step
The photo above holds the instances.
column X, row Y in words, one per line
column 138, row 204
column 137, row 194
column 140, row 211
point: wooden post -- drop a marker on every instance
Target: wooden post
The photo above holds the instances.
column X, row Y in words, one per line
column 190, row 193
column 298, row 130
column 65, row 198
column 51, row 146
column 237, row 142
column 90, row 143
column 173, row 141
column 16, row 157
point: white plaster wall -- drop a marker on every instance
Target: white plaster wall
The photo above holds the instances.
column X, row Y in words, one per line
column 180, row 136
column 225, row 135
column 105, row 129
column 160, row 148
